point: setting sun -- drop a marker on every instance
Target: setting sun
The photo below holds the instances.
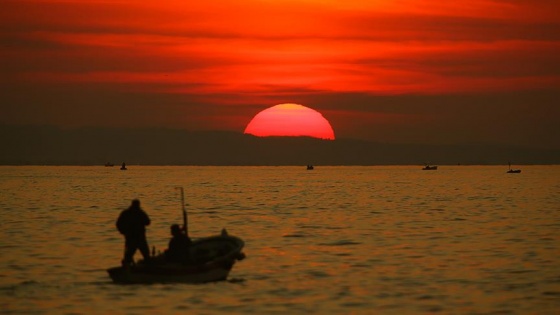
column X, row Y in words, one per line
column 291, row 120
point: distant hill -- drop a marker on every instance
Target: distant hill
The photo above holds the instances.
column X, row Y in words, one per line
column 43, row 145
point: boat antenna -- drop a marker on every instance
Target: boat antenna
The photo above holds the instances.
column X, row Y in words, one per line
column 185, row 226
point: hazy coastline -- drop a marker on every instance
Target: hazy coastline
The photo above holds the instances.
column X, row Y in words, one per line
column 44, row 145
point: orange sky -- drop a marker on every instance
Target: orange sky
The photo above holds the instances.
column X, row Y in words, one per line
column 383, row 70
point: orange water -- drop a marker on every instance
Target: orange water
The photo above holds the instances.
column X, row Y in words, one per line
column 335, row 240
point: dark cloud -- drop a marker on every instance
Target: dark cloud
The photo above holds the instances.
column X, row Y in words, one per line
column 519, row 117
column 425, row 27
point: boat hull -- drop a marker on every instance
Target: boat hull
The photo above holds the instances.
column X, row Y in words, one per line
column 212, row 259
column 429, row 168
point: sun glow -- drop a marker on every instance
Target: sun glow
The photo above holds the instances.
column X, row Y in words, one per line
column 291, row 120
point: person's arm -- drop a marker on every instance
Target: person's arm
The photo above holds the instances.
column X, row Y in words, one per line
column 121, row 224
column 146, row 219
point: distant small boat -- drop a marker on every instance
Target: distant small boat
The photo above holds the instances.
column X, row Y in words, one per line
column 109, row 164
column 429, row 167
column 512, row 170
column 123, row 167
column 310, row 167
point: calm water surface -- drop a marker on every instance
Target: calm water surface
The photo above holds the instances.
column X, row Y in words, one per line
column 335, row 240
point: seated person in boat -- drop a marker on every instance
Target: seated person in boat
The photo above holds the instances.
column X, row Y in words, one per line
column 178, row 250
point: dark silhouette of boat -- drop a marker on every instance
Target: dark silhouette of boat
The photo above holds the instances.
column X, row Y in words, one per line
column 512, row 170
column 430, row 167
column 211, row 259
column 109, row 164
column 310, row 167
column 123, row 167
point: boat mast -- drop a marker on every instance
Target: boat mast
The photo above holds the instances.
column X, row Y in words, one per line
column 185, row 227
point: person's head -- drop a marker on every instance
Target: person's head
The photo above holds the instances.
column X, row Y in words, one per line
column 135, row 204
column 175, row 229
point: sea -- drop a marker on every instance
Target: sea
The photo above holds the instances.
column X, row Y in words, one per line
column 333, row 240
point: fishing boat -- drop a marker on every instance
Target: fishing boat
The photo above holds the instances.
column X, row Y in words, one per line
column 208, row 259
column 512, row 170
column 429, row 167
column 211, row 259
column 310, row 167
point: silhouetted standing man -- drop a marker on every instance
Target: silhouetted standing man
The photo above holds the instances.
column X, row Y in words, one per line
column 132, row 224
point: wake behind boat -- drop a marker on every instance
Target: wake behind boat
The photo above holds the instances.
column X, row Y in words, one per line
column 211, row 259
